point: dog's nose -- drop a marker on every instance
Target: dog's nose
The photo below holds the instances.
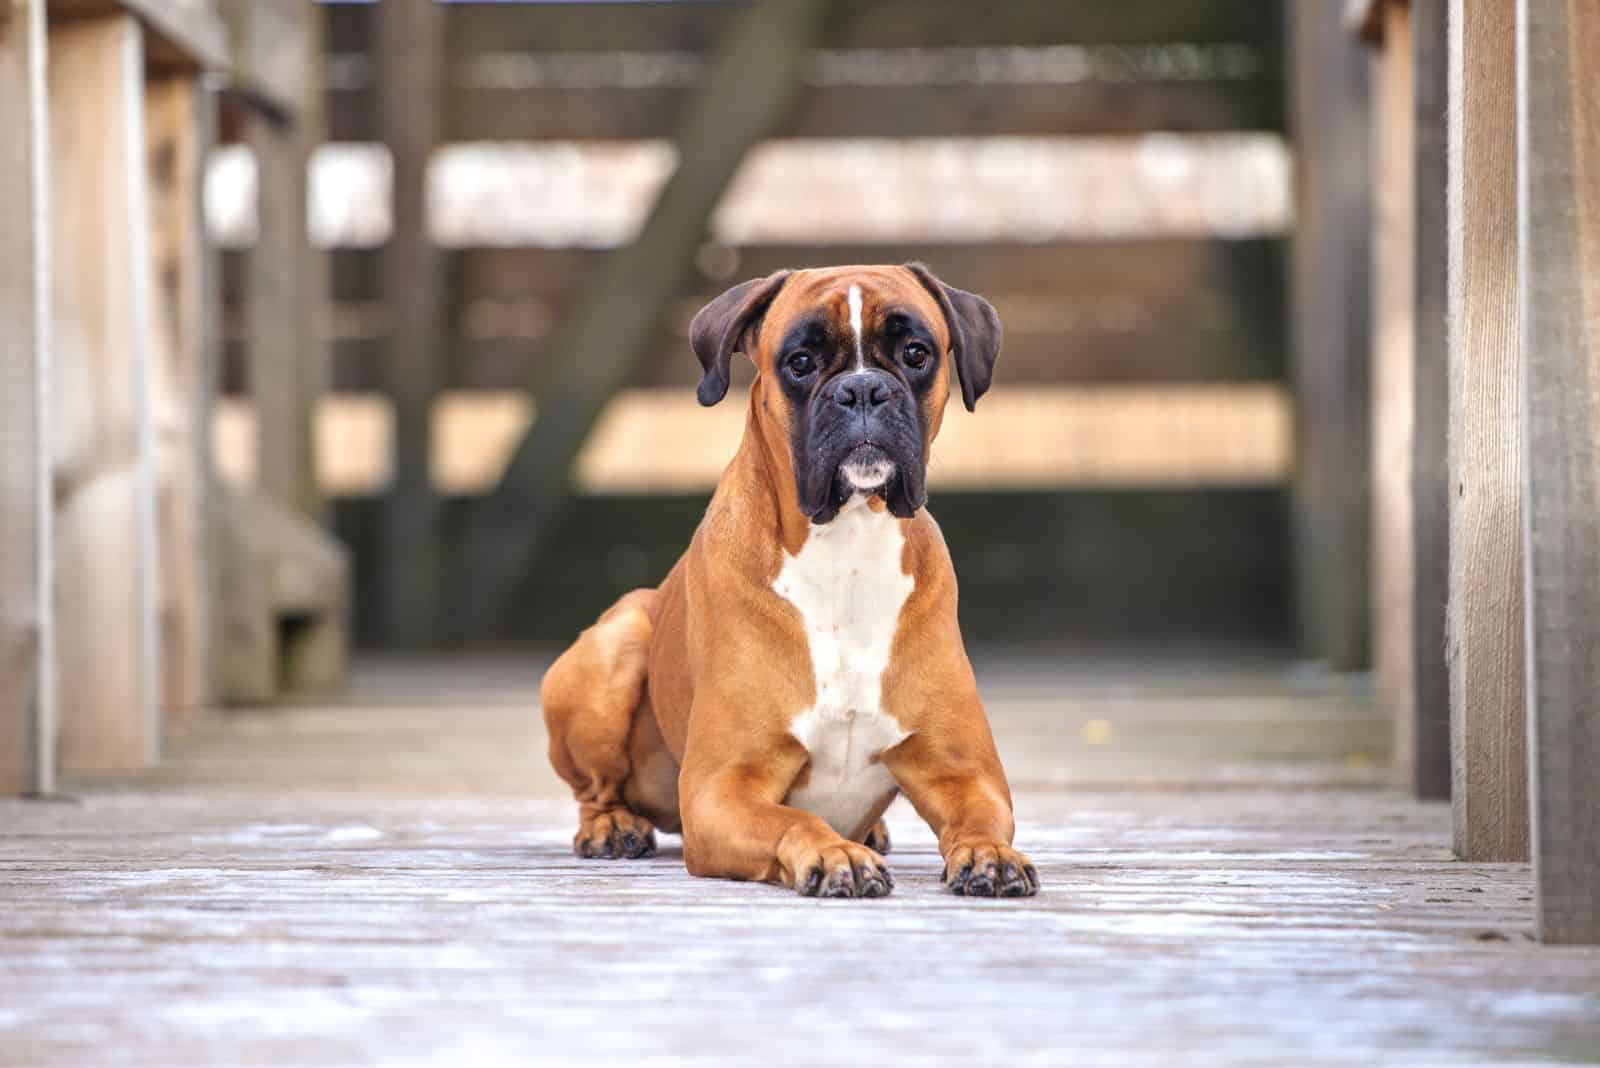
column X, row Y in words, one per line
column 863, row 391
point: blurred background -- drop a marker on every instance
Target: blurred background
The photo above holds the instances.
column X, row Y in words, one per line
column 1115, row 180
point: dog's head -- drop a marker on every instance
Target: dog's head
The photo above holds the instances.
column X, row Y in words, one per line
column 854, row 366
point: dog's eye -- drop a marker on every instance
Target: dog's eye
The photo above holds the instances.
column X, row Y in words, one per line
column 801, row 364
column 916, row 354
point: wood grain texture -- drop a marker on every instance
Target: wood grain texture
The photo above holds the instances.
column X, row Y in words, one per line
column 104, row 441
column 1558, row 60
column 751, row 87
column 1430, row 503
column 27, row 642
column 411, row 63
column 1393, row 282
column 1488, row 729
column 1329, row 295
column 390, row 879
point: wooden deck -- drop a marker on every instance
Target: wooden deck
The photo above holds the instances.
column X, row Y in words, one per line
column 388, row 880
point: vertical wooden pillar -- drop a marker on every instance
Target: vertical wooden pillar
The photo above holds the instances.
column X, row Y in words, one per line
column 172, row 114
column 286, row 359
column 1489, row 757
column 27, row 695
column 1429, row 740
column 1330, row 294
column 410, row 58
column 104, row 462
column 1558, row 106
column 1393, row 328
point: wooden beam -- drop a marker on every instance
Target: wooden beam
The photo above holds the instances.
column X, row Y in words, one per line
column 268, row 52
column 172, row 112
column 27, row 653
column 1329, row 314
column 1393, row 282
column 179, row 34
column 411, row 63
column 101, row 330
column 747, row 94
column 1430, row 502
column 1558, row 64
column 1489, row 756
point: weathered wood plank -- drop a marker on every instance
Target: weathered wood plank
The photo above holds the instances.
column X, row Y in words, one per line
column 1430, row 478
column 1111, row 311
column 750, row 89
column 172, row 112
column 1489, row 789
column 410, row 55
column 514, row 70
column 1329, row 295
column 1393, row 283
column 605, row 26
column 106, row 544
column 1209, row 893
column 1092, row 108
column 1558, row 61
column 27, row 604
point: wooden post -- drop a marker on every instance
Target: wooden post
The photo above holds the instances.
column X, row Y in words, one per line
column 746, row 96
column 27, row 664
column 1558, row 223
column 1329, row 298
column 1393, row 282
column 286, row 278
column 411, row 51
column 1429, row 740
column 172, row 110
column 1489, row 757
column 105, row 533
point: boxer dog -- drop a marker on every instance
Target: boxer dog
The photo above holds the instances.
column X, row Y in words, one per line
column 802, row 664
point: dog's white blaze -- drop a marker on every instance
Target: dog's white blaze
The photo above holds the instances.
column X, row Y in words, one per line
column 855, row 325
column 849, row 587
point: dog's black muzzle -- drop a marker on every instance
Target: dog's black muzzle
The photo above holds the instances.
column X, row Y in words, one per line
column 861, row 417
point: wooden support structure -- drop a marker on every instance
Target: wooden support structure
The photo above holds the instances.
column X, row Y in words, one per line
column 27, row 609
column 1558, row 63
column 1329, row 296
column 411, row 66
column 1428, row 744
column 1388, row 25
column 175, row 134
column 281, row 615
column 1410, row 531
column 745, row 97
column 106, row 537
column 1489, row 757
column 285, row 278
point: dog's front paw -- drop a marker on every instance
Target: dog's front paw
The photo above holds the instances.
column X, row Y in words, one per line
column 989, row 869
column 614, row 835
column 842, row 869
column 878, row 838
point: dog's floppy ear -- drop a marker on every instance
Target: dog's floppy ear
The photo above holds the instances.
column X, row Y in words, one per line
column 974, row 333
column 722, row 328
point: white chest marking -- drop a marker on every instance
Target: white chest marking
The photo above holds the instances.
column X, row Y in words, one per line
column 848, row 585
column 855, row 325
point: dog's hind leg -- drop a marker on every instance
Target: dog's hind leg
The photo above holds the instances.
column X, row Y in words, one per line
column 591, row 696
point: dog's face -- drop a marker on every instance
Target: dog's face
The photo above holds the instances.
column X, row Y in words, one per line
column 854, row 367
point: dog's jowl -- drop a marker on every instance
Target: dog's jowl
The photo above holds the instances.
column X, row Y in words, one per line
column 802, row 665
